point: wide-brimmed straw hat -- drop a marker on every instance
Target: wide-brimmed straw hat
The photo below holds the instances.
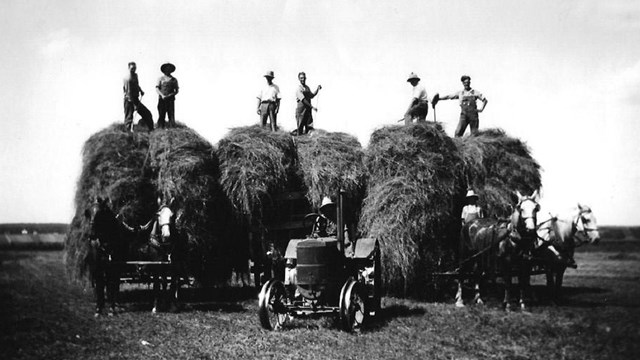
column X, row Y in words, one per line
column 328, row 208
column 413, row 76
column 471, row 194
column 167, row 67
column 269, row 74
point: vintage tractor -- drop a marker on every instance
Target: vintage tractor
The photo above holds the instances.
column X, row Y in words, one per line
column 325, row 275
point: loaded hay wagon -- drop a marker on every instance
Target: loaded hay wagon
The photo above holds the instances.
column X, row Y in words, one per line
column 325, row 275
column 272, row 180
column 132, row 170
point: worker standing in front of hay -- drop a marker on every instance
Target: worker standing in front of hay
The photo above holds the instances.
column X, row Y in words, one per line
column 132, row 93
column 304, row 118
column 167, row 89
column 471, row 211
column 419, row 106
column 468, row 108
column 269, row 102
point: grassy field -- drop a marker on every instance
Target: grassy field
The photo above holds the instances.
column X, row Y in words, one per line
column 44, row 316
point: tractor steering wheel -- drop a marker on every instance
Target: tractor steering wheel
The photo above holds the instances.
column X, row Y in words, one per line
column 312, row 220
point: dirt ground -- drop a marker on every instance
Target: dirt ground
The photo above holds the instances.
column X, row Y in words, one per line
column 44, row 316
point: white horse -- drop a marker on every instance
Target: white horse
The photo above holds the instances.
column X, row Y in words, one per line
column 557, row 239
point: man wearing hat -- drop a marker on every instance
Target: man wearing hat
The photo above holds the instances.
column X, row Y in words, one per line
column 132, row 92
column 471, row 210
column 269, row 102
column 419, row 106
column 167, row 89
column 468, row 109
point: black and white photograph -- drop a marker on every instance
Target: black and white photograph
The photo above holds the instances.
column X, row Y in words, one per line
column 283, row 179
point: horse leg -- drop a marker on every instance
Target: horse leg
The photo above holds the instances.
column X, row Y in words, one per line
column 506, row 268
column 113, row 284
column 100, row 280
column 459, row 301
column 523, row 284
column 558, row 285
column 477, row 279
column 156, row 292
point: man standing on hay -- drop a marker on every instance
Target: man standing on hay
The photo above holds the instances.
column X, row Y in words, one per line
column 469, row 110
column 269, row 102
column 167, row 89
column 132, row 103
column 419, row 106
column 304, row 119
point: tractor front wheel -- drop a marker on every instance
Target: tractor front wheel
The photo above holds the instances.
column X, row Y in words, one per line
column 271, row 302
column 352, row 306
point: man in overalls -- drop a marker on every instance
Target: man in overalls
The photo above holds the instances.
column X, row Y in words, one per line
column 468, row 109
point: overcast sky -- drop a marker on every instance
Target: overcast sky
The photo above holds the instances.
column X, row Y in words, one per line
column 564, row 76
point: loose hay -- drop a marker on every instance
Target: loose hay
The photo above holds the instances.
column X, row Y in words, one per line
column 413, row 179
column 330, row 162
column 255, row 163
column 495, row 166
column 132, row 169
column 113, row 167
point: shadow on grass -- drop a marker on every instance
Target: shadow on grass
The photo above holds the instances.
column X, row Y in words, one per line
column 385, row 315
column 191, row 299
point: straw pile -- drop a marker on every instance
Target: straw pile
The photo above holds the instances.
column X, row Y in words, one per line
column 255, row 163
column 113, row 167
column 496, row 165
column 330, row 162
column 185, row 168
column 132, row 169
column 413, row 179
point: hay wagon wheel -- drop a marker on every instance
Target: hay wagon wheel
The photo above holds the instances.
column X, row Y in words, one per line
column 271, row 301
column 353, row 312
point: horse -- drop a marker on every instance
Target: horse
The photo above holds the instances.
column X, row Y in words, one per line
column 488, row 246
column 108, row 238
column 557, row 239
column 164, row 244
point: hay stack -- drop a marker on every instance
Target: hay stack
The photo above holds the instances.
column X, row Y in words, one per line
column 413, row 179
column 132, row 169
column 495, row 165
column 255, row 163
column 113, row 167
column 329, row 162
column 185, row 168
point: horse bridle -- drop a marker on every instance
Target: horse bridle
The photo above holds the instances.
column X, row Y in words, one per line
column 585, row 229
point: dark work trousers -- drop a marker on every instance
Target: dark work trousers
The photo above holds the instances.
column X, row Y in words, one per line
column 418, row 111
column 268, row 110
column 303, row 118
column 135, row 105
column 470, row 119
column 166, row 107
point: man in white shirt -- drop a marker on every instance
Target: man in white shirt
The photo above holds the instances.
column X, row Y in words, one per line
column 269, row 102
column 471, row 211
column 419, row 106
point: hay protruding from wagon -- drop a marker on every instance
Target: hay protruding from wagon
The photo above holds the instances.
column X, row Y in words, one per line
column 413, row 178
column 132, row 170
column 497, row 165
column 330, row 162
column 114, row 168
column 255, row 163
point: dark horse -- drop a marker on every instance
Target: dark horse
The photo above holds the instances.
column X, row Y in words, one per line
column 490, row 246
column 162, row 253
column 108, row 239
